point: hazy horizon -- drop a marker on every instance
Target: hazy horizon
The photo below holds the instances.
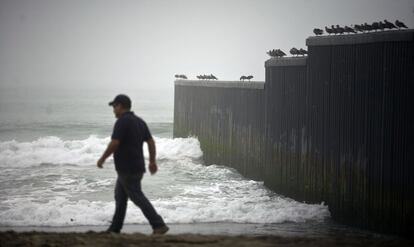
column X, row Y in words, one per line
column 125, row 45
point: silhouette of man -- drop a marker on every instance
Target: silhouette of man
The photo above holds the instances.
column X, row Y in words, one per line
column 128, row 136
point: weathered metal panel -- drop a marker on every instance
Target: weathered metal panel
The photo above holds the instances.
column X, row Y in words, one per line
column 337, row 126
column 285, row 130
column 228, row 121
column 360, row 106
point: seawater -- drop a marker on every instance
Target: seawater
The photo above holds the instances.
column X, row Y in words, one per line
column 52, row 182
column 50, row 142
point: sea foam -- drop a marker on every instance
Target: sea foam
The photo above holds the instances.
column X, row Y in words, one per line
column 60, row 185
column 54, row 150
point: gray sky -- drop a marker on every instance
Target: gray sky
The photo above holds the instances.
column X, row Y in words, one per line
column 142, row 44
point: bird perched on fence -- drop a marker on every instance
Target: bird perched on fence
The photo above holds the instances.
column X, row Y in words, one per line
column 294, row 51
column 367, row 27
column 334, row 31
column 243, row 77
column 180, row 76
column 400, row 24
column 340, row 29
column 280, row 53
column 272, row 53
column 358, row 28
column 303, row 52
column 276, row 53
column 206, row 77
column 317, row 31
column 375, row 26
column 328, row 30
column 389, row 25
column 349, row 29
column 381, row 26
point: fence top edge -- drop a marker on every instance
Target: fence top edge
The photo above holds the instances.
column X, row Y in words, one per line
column 286, row 61
column 361, row 38
column 221, row 84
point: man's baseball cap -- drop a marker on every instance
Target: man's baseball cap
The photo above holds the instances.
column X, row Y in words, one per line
column 121, row 99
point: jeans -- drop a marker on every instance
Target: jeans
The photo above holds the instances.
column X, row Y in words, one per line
column 129, row 186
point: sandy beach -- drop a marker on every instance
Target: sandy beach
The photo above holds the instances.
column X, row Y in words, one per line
column 91, row 238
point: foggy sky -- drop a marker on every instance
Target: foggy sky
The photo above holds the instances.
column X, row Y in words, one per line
column 142, row 44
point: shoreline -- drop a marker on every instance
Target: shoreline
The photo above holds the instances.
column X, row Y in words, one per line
column 91, row 238
column 325, row 229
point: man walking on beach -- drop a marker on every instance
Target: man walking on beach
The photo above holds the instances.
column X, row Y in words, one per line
column 128, row 135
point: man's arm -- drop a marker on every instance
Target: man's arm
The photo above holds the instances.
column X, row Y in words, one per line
column 112, row 147
column 152, row 153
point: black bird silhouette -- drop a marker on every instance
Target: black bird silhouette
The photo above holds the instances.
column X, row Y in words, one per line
column 358, row 28
column 180, row 76
column 367, row 27
column 328, row 30
column 272, row 53
column 303, row 52
column 339, row 29
column 276, row 53
column 334, row 30
column 317, row 31
column 400, row 24
column 294, row 51
column 243, row 77
column 280, row 53
column 375, row 26
column 389, row 25
column 381, row 26
column 349, row 29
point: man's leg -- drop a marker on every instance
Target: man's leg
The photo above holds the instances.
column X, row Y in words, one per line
column 137, row 196
column 121, row 200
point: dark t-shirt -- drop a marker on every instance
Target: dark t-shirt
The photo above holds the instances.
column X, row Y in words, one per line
column 131, row 131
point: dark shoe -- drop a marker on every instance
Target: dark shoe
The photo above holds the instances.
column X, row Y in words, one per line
column 160, row 230
column 112, row 231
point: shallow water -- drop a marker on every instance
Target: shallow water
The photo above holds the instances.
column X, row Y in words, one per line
column 54, row 182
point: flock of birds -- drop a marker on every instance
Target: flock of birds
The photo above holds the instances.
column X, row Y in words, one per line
column 294, row 51
column 181, row 76
column 362, row 28
column 206, row 77
column 212, row 77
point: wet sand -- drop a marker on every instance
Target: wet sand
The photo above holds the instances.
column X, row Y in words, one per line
column 92, row 238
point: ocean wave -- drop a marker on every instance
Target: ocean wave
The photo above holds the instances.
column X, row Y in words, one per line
column 53, row 193
column 53, row 150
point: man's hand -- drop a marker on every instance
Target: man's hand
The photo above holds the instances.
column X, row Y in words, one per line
column 151, row 150
column 100, row 162
column 112, row 146
column 153, row 168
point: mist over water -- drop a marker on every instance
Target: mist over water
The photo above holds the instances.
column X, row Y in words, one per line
column 28, row 113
